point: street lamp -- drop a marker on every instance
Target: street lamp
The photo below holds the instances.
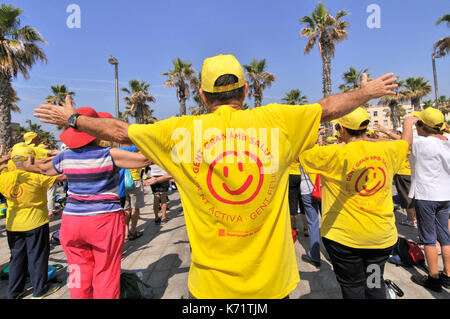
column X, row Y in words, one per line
column 435, row 56
column 112, row 60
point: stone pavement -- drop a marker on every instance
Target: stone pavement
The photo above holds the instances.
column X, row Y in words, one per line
column 163, row 256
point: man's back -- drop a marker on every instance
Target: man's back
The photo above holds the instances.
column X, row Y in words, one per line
column 232, row 171
column 357, row 203
column 26, row 195
column 430, row 168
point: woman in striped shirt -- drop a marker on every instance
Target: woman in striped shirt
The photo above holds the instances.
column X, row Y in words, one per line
column 93, row 222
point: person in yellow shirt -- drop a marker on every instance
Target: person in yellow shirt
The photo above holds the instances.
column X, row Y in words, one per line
column 231, row 167
column 39, row 152
column 358, row 223
column 27, row 226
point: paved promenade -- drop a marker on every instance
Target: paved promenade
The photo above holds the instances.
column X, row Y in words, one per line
column 163, row 255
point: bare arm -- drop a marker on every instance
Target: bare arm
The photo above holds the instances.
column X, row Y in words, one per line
column 46, row 167
column 158, row 179
column 407, row 133
column 338, row 105
column 386, row 131
column 124, row 159
column 102, row 128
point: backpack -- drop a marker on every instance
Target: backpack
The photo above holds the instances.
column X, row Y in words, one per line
column 409, row 253
column 132, row 287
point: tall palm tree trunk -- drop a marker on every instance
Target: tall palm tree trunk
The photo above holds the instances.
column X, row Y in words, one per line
column 182, row 106
column 416, row 104
column 139, row 115
column 5, row 110
column 326, row 78
column 394, row 117
column 326, row 69
column 258, row 99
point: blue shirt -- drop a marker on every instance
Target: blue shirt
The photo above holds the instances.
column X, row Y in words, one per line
column 134, row 149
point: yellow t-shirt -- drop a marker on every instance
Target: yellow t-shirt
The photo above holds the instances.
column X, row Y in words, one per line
column 357, row 208
column 231, row 167
column 405, row 169
column 26, row 195
column 39, row 152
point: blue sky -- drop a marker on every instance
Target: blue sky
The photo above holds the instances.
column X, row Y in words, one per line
column 145, row 35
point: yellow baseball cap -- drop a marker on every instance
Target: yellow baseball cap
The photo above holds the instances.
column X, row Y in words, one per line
column 217, row 66
column 431, row 117
column 354, row 119
column 28, row 137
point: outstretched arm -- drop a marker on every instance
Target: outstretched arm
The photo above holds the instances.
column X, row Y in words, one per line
column 159, row 179
column 124, row 159
column 102, row 128
column 338, row 105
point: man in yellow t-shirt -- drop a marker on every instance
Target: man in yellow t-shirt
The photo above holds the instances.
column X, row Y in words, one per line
column 39, row 152
column 358, row 223
column 231, row 168
column 27, row 226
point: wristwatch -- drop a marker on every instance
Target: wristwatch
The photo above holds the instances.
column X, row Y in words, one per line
column 73, row 120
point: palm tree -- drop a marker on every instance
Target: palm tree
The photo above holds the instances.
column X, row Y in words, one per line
column 137, row 102
column 444, row 104
column 45, row 137
column 259, row 80
column 295, row 97
column 19, row 51
column 180, row 78
column 395, row 111
column 325, row 30
column 14, row 99
column 444, row 18
column 17, row 134
column 200, row 108
column 352, row 79
column 415, row 90
column 442, row 46
column 59, row 95
column 427, row 104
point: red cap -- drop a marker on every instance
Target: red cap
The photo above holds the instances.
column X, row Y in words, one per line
column 75, row 138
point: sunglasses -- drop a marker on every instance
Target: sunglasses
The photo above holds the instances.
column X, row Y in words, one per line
column 337, row 127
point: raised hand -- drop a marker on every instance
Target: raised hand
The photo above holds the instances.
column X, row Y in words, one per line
column 379, row 87
column 55, row 114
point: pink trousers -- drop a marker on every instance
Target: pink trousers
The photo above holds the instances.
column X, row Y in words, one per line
column 93, row 246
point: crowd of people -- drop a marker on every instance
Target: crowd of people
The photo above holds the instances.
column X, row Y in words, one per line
column 240, row 204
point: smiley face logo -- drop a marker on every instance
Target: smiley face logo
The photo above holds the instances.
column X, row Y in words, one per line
column 233, row 183
column 16, row 191
column 370, row 181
